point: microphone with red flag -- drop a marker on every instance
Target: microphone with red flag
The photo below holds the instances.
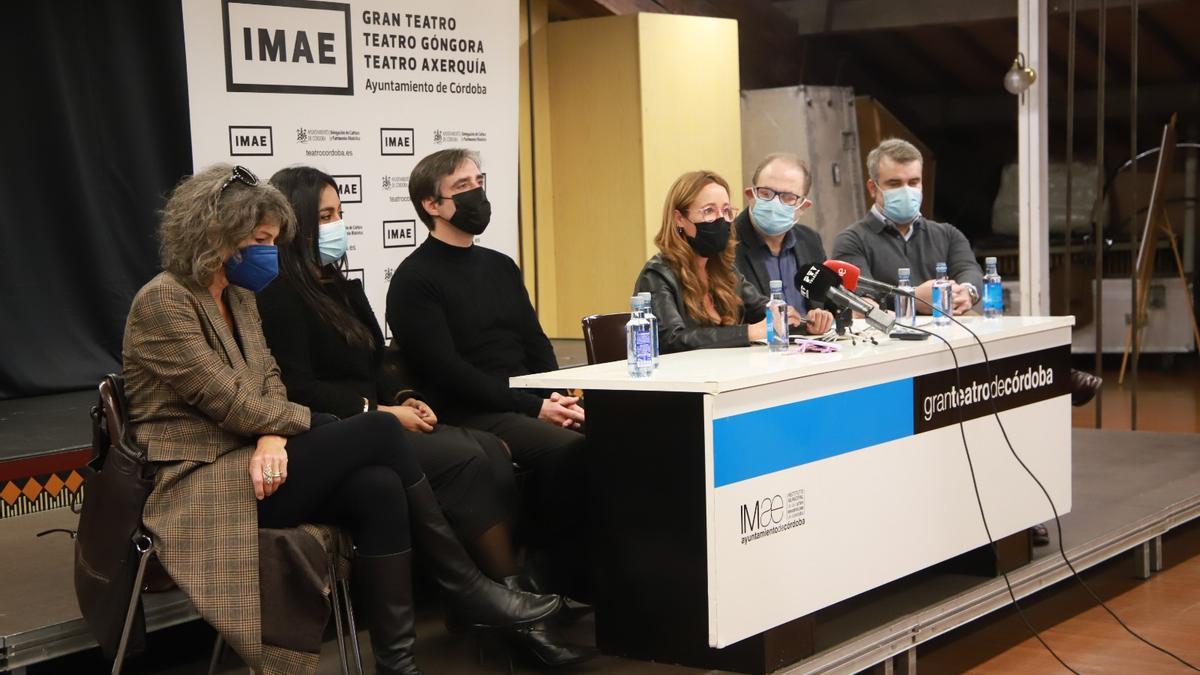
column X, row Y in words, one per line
column 816, row 282
column 853, row 280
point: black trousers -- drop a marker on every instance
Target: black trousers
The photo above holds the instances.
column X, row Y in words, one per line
column 555, row 489
column 351, row 473
column 470, row 473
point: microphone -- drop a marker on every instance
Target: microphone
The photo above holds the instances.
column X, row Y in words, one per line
column 853, row 280
column 819, row 284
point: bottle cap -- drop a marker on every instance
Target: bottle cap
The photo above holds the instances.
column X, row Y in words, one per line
column 903, row 272
column 990, row 260
column 776, row 285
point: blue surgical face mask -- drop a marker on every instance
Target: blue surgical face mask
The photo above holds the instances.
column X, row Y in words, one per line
column 253, row 267
column 901, row 205
column 772, row 216
column 331, row 241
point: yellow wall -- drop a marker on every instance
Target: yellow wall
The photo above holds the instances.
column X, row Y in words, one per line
column 597, row 176
column 634, row 101
column 691, row 107
column 536, row 197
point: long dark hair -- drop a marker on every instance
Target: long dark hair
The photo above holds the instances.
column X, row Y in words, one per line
column 299, row 261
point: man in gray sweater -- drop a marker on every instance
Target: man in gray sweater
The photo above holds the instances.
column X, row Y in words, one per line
column 895, row 235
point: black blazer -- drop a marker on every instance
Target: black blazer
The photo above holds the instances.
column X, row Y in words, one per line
column 807, row 249
column 319, row 368
column 677, row 331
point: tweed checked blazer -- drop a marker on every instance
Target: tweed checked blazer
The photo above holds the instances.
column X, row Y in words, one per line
column 197, row 403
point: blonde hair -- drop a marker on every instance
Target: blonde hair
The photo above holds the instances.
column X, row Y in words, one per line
column 201, row 223
column 722, row 280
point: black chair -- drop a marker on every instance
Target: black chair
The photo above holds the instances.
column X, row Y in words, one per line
column 604, row 337
column 151, row 577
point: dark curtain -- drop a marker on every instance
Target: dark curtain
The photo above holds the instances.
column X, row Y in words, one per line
column 98, row 133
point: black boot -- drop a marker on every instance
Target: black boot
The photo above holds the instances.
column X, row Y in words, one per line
column 572, row 609
column 387, row 586
column 473, row 601
column 1084, row 386
column 540, row 641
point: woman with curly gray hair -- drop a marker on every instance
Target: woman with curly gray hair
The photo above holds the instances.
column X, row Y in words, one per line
column 233, row 454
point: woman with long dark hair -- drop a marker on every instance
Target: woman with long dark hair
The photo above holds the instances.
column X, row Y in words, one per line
column 331, row 354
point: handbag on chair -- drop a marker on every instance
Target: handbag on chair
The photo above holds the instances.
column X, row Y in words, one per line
column 111, row 547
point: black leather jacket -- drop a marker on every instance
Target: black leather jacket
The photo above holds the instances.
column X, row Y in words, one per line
column 677, row 331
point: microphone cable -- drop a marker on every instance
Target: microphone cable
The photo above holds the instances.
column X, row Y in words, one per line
column 979, row 500
column 1054, row 508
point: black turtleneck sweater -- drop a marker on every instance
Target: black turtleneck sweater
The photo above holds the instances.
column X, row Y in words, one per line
column 464, row 323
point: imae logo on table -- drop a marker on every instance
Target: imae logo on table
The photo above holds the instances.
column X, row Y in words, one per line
column 771, row 515
column 288, row 46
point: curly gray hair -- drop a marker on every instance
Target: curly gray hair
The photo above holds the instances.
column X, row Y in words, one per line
column 203, row 224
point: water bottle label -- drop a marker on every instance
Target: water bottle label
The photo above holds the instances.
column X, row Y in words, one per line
column 937, row 300
column 992, row 297
column 643, row 348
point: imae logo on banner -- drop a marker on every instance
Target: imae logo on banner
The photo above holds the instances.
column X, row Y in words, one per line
column 288, row 46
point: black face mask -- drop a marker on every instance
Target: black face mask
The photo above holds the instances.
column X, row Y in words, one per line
column 472, row 211
column 711, row 238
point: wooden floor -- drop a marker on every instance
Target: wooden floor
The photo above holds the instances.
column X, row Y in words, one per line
column 1165, row 609
column 1168, row 397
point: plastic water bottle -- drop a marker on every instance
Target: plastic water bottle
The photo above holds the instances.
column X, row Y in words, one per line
column 777, row 325
column 993, row 293
column 906, row 306
column 639, row 347
column 942, row 297
column 648, row 312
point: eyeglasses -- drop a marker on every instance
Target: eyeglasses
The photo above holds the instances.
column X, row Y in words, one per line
column 241, row 175
column 711, row 213
column 786, row 198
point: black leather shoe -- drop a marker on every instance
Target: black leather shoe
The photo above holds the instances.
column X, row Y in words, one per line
column 1084, row 386
column 539, row 643
column 472, row 600
column 572, row 610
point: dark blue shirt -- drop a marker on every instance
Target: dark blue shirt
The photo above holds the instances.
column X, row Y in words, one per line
column 783, row 267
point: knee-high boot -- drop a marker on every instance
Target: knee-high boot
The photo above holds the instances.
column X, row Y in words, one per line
column 473, row 600
column 387, row 581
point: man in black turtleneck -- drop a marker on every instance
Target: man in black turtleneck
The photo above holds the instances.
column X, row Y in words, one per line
column 463, row 321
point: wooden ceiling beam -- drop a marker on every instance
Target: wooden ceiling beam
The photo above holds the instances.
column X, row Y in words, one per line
column 769, row 41
column 868, row 15
column 1118, row 64
column 1160, row 36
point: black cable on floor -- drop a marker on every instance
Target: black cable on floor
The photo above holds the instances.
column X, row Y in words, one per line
column 1057, row 522
column 979, row 500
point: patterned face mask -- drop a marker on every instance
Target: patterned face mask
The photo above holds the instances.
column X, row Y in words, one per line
column 815, row 346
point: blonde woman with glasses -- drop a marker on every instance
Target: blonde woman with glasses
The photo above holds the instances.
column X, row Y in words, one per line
column 699, row 297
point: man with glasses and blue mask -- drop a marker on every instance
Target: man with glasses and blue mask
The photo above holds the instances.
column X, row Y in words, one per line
column 895, row 235
column 771, row 244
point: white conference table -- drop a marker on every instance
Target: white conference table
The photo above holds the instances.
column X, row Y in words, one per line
column 736, row 491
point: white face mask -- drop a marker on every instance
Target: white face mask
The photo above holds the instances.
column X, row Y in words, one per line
column 331, row 241
column 902, row 204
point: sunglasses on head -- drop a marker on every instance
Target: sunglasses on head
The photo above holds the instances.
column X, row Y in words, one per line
column 240, row 174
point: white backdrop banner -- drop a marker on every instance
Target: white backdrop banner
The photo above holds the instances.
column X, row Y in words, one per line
column 361, row 90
